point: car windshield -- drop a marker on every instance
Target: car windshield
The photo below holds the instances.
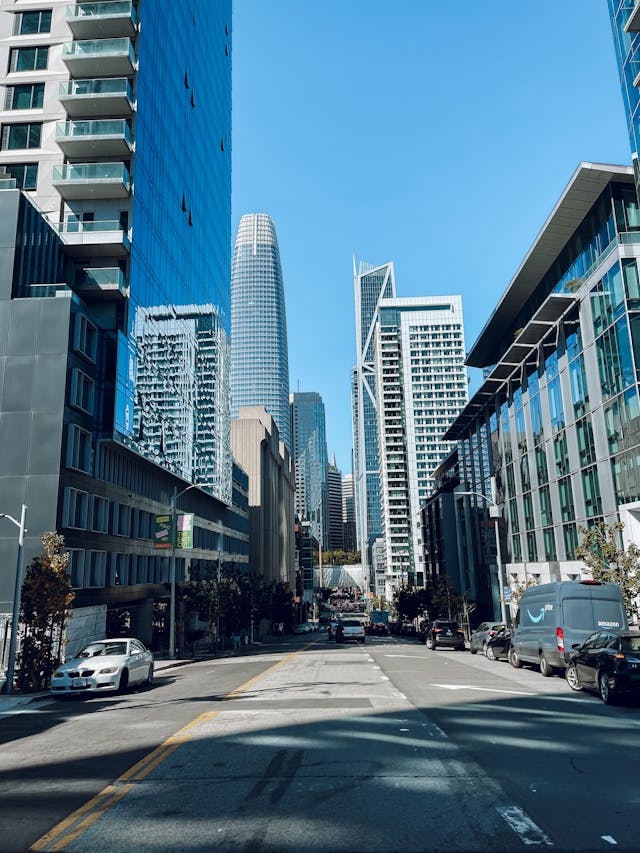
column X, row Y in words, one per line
column 103, row 649
column 453, row 625
column 630, row 644
column 351, row 623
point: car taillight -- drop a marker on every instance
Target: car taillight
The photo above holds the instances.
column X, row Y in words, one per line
column 460, row 632
column 592, row 583
column 619, row 657
column 491, row 633
column 560, row 639
column 437, row 630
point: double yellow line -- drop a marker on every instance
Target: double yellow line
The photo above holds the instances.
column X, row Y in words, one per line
column 65, row 832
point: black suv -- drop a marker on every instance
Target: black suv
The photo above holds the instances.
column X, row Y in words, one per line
column 443, row 633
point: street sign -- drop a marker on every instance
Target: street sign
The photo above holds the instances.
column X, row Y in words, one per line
column 185, row 531
column 163, row 537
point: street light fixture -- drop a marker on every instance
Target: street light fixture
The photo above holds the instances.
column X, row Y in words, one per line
column 494, row 512
column 172, row 604
column 16, row 596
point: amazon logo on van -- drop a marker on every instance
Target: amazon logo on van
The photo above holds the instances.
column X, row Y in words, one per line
column 608, row 624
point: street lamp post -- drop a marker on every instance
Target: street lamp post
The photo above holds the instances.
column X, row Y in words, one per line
column 15, row 617
column 494, row 512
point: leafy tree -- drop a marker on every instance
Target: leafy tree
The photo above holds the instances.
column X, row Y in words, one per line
column 410, row 603
column 443, row 600
column 601, row 549
column 518, row 589
column 339, row 558
column 45, row 607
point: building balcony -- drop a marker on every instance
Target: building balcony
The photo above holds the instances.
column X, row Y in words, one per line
column 93, row 239
column 102, row 138
column 102, row 20
column 111, row 96
column 92, row 180
column 633, row 21
column 102, row 282
column 99, row 58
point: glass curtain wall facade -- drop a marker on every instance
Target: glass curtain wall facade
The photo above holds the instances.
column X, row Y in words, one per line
column 371, row 284
column 625, row 25
column 259, row 349
column 557, row 418
column 308, row 431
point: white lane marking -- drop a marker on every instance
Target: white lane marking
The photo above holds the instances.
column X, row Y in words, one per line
column 483, row 689
column 523, row 826
column 609, row 838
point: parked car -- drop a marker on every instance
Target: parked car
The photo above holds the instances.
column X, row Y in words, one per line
column 105, row 665
column 482, row 634
column 608, row 662
column 443, row 633
column 553, row 617
column 499, row 645
column 302, row 628
column 350, row 629
column 333, row 627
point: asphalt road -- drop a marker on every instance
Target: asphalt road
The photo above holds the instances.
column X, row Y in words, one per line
column 387, row 747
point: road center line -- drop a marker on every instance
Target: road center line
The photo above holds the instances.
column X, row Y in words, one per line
column 69, row 829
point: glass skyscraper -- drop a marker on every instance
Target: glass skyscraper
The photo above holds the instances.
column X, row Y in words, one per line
column 625, row 23
column 308, row 431
column 259, row 353
column 371, row 284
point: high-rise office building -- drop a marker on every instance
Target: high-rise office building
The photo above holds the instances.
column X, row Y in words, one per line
column 125, row 399
column 308, row 431
column 259, row 354
column 334, row 506
column 348, row 514
column 371, row 285
column 419, row 354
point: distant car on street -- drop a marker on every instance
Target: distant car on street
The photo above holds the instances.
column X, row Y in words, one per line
column 377, row 629
column 482, row 634
column 445, row 634
column 350, row 629
column 302, row 628
column 103, row 666
column 608, row 662
column 499, row 645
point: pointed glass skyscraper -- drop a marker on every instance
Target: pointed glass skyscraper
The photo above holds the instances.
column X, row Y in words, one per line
column 259, row 355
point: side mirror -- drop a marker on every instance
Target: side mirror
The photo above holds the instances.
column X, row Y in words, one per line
column 575, row 646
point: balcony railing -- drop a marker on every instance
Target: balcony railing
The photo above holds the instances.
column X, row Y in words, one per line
column 109, row 96
column 96, row 238
column 109, row 56
column 105, row 137
column 115, row 18
column 96, row 225
column 98, row 180
column 102, row 281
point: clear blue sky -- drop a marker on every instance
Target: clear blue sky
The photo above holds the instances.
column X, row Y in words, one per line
column 435, row 134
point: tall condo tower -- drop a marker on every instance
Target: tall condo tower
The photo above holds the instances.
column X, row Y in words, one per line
column 419, row 353
column 625, row 24
column 308, row 432
column 259, row 354
column 371, row 284
column 115, row 166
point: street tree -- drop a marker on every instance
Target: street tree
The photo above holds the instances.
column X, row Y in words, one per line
column 46, row 600
column 601, row 549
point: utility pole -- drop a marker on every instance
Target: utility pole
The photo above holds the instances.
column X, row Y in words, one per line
column 15, row 618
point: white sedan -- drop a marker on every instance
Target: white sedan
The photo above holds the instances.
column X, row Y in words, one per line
column 105, row 665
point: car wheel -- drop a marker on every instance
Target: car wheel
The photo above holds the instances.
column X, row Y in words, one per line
column 603, row 688
column 514, row 660
column 484, row 649
column 149, row 678
column 124, row 681
column 473, row 650
column 572, row 677
column 490, row 653
column 546, row 670
column 430, row 644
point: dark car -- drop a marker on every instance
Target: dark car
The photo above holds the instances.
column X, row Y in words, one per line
column 377, row 629
column 481, row 636
column 442, row 633
column 498, row 646
column 608, row 662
